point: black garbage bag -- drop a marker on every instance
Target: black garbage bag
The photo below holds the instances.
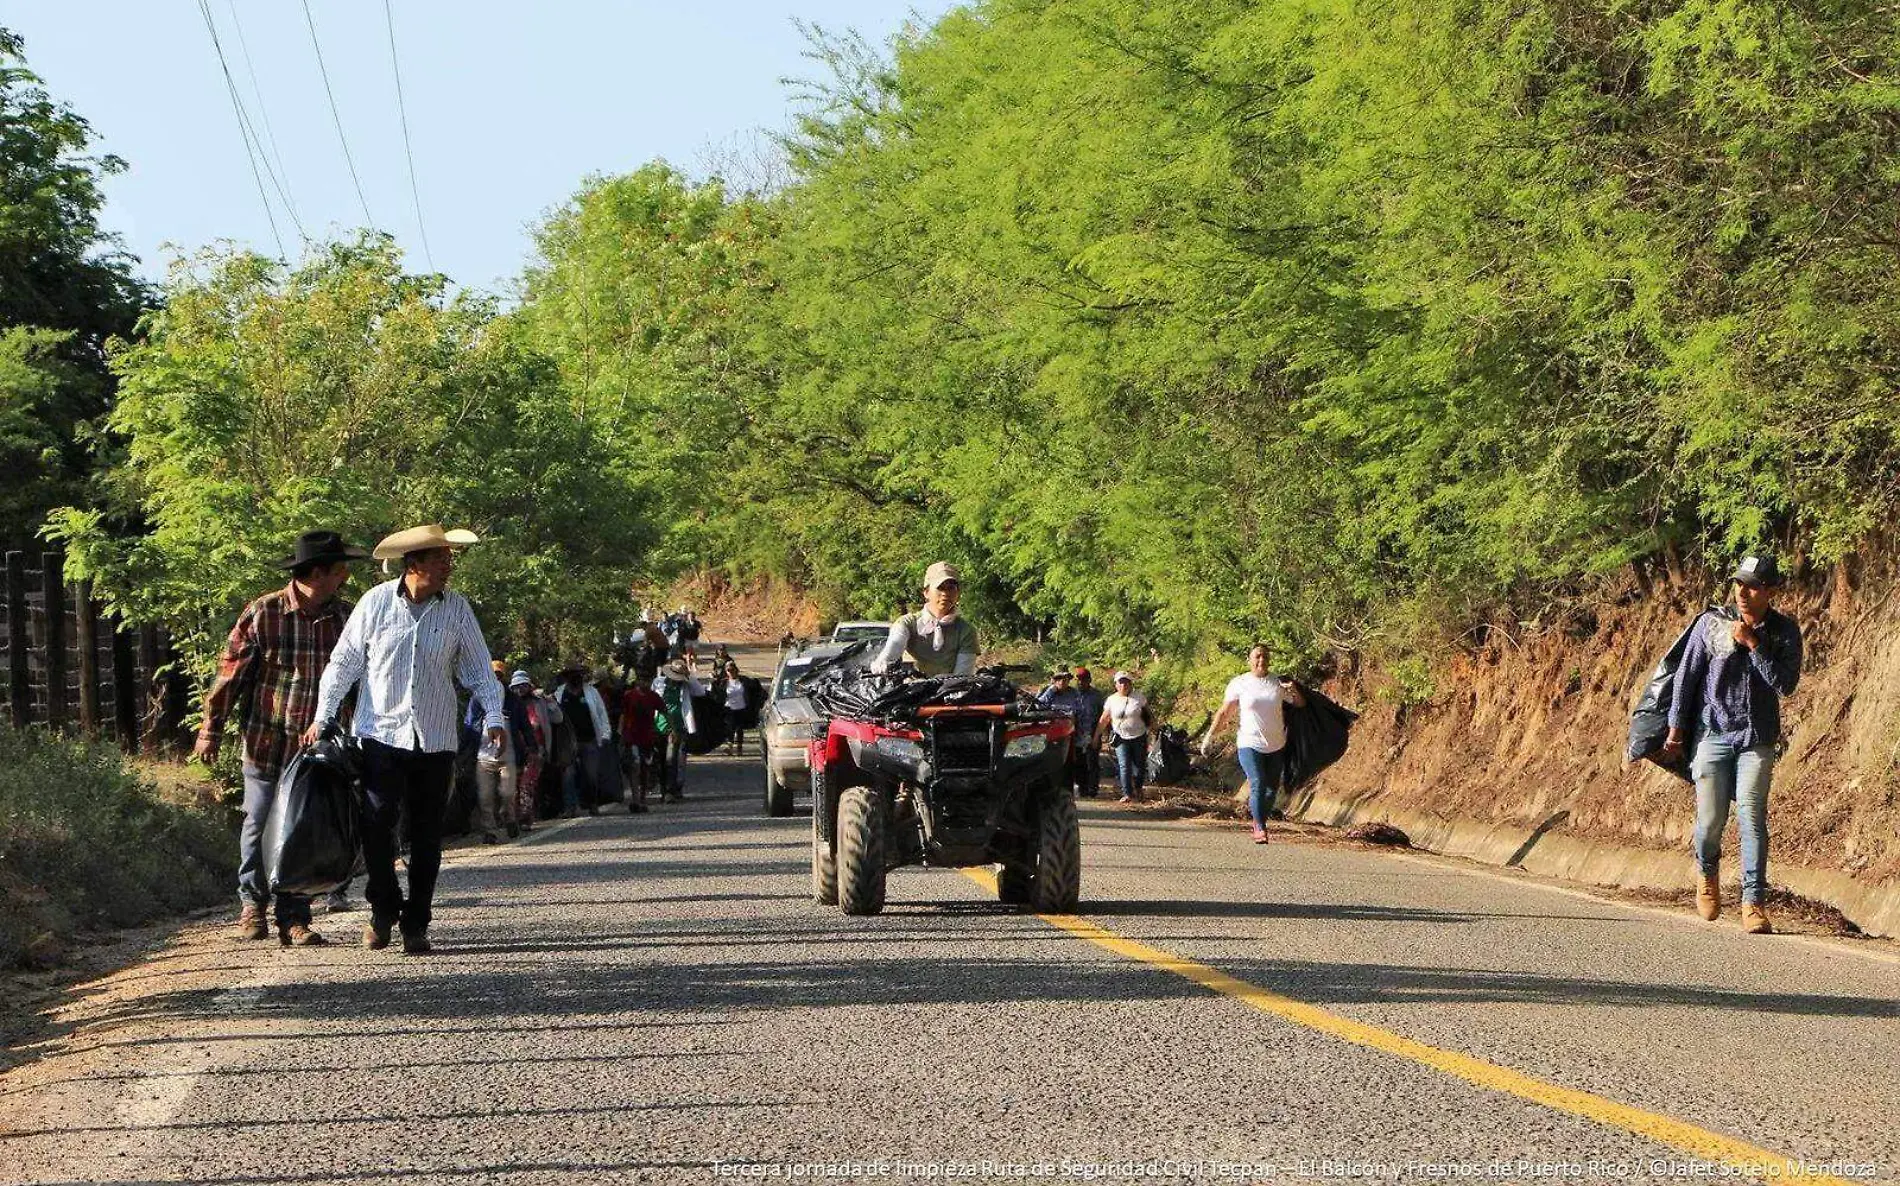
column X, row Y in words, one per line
column 313, row 834
column 1168, row 755
column 713, row 723
column 1649, row 723
column 1316, row 737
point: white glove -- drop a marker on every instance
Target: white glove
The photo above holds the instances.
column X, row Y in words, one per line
column 1207, row 744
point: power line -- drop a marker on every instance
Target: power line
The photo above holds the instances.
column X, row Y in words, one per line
column 311, row 23
column 244, row 127
column 402, row 111
column 263, row 111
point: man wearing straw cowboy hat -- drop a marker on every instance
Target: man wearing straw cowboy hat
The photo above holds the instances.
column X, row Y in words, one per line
column 268, row 675
column 408, row 643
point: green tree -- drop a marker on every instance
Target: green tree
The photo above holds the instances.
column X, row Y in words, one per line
column 65, row 291
column 265, row 401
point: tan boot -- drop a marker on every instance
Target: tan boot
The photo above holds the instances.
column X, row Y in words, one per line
column 299, row 935
column 251, row 924
column 1708, row 898
column 1755, row 919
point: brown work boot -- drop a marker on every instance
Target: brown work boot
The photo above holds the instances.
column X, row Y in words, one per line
column 1755, row 919
column 375, row 935
column 251, row 924
column 1708, row 898
column 299, row 935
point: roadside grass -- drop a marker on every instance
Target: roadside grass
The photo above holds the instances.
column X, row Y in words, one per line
column 88, row 840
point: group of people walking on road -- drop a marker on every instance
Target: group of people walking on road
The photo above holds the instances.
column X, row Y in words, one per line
column 302, row 659
column 297, row 656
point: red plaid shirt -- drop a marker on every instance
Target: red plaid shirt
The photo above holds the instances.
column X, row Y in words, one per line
column 269, row 673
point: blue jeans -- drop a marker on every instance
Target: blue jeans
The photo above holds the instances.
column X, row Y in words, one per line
column 259, row 793
column 1728, row 772
column 1131, row 764
column 1263, row 779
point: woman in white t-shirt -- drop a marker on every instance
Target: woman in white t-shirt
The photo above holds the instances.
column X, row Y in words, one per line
column 1126, row 719
column 1259, row 700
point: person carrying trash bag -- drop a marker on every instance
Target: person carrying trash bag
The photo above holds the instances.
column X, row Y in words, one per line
column 268, row 678
column 1725, row 715
column 407, row 645
column 1259, row 701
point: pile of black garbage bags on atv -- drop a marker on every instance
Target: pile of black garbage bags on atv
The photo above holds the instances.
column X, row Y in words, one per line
column 855, row 693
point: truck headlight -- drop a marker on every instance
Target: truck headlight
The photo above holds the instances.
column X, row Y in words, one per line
column 902, row 749
column 1026, row 746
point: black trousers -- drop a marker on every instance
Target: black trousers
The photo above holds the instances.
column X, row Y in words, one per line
column 399, row 783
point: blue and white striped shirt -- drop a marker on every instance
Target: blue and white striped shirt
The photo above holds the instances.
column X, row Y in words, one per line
column 408, row 660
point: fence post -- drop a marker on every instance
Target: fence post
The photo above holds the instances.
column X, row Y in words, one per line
column 53, row 604
column 86, row 630
column 19, row 679
column 125, row 685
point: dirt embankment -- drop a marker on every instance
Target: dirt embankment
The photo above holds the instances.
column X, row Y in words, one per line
column 762, row 611
column 1518, row 758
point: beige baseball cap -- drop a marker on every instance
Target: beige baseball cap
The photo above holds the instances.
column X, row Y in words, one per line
column 940, row 572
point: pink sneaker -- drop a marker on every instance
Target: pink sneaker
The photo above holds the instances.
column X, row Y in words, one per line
column 1259, row 835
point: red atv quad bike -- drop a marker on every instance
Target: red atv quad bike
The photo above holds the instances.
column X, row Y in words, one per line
column 950, row 786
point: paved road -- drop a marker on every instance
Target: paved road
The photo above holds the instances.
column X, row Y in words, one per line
column 644, row 998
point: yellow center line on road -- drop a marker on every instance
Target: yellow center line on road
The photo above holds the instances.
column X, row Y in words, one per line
column 1699, row 1142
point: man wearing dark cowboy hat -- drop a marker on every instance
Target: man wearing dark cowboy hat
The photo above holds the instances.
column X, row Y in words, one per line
column 268, row 675
column 1727, row 714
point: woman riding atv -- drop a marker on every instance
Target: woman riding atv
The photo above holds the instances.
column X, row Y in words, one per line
column 935, row 639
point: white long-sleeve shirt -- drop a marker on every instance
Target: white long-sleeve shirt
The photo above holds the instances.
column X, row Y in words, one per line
column 408, row 659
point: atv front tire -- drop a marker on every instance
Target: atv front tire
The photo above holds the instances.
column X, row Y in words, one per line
column 1057, row 887
column 824, row 864
column 1014, row 885
column 861, row 828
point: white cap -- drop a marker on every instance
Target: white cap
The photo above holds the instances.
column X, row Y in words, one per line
column 940, row 572
column 1122, row 675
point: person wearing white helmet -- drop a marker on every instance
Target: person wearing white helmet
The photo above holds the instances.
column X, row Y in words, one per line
column 937, row 639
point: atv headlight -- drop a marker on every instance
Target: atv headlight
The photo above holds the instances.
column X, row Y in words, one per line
column 901, row 748
column 800, row 730
column 1026, row 746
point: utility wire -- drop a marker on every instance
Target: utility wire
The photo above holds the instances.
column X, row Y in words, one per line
column 244, row 127
column 402, row 111
column 311, row 23
column 263, row 111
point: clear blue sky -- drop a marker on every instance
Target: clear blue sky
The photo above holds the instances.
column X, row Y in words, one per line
column 510, row 106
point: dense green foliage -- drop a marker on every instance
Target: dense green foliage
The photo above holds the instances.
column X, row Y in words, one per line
column 1333, row 323
column 85, row 842
column 63, row 292
column 264, row 400
column 1177, row 324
